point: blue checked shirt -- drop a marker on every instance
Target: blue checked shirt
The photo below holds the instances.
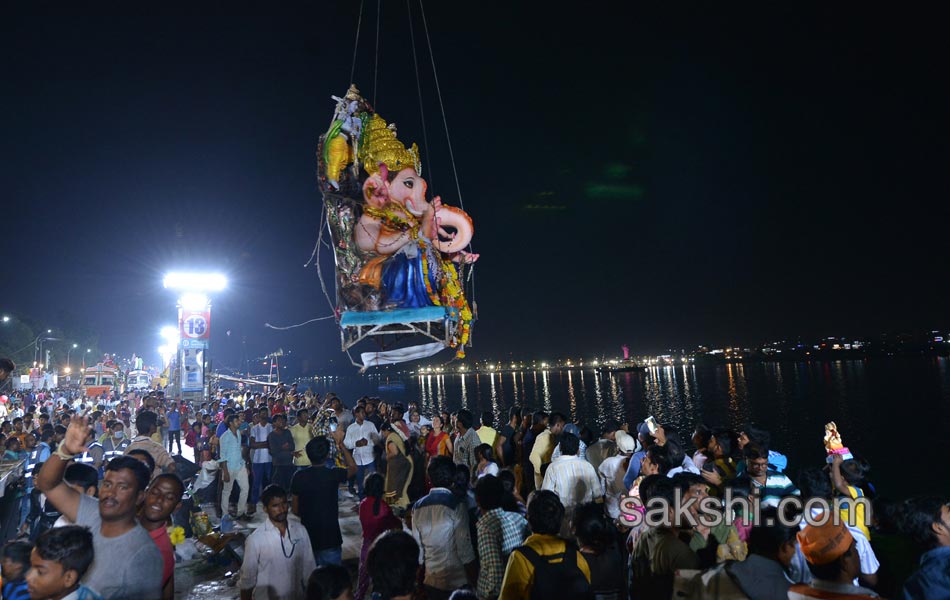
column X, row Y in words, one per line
column 499, row 532
column 231, row 451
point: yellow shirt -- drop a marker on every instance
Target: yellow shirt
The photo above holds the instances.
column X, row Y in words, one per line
column 858, row 508
column 541, row 454
column 487, row 435
column 519, row 574
column 301, row 435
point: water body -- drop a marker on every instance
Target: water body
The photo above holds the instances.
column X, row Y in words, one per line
column 894, row 411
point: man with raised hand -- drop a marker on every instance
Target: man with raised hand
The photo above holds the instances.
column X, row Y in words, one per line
column 127, row 563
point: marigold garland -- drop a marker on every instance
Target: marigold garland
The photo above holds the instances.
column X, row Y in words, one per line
column 450, row 295
column 392, row 217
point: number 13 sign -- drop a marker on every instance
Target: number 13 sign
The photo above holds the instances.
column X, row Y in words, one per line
column 195, row 324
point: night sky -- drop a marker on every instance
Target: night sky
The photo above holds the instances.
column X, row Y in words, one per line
column 656, row 176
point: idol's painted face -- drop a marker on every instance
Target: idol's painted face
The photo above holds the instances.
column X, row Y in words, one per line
column 409, row 190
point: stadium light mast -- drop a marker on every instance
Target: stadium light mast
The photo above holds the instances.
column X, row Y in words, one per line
column 194, row 327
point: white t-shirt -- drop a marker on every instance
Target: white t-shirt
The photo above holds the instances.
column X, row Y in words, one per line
column 611, row 473
column 259, row 433
column 490, row 469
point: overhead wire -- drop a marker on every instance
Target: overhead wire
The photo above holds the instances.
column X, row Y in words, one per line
column 422, row 112
column 448, row 139
column 356, row 45
column 269, row 326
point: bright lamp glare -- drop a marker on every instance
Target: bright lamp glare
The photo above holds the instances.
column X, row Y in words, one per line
column 196, row 282
column 170, row 334
column 193, row 301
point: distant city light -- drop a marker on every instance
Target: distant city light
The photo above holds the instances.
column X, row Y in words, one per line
column 196, row 282
column 6, row 318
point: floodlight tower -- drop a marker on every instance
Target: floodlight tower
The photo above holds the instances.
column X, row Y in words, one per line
column 194, row 328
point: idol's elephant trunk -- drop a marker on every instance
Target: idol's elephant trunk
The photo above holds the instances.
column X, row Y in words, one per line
column 458, row 225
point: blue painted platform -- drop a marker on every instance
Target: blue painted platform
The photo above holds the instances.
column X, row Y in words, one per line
column 392, row 317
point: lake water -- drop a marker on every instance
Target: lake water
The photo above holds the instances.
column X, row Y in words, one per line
column 895, row 412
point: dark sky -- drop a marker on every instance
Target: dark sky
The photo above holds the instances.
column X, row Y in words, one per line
column 657, row 176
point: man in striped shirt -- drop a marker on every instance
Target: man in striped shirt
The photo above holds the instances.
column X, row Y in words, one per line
column 573, row 479
column 770, row 485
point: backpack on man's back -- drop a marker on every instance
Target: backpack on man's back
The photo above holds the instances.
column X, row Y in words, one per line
column 557, row 575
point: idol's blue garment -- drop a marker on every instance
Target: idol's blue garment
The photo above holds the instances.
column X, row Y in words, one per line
column 403, row 281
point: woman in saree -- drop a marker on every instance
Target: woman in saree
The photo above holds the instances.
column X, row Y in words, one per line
column 438, row 443
column 398, row 469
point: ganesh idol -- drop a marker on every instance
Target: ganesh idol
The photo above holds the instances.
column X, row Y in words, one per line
column 412, row 245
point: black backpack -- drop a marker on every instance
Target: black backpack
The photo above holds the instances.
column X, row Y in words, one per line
column 557, row 579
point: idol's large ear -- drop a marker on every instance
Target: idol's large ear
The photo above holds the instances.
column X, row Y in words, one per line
column 376, row 188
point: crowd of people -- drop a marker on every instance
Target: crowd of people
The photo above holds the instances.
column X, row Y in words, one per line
column 451, row 506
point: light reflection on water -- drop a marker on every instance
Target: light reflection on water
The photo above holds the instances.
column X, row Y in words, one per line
column 791, row 400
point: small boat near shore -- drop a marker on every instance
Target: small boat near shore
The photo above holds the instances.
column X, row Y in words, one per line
column 620, row 367
column 392, row 386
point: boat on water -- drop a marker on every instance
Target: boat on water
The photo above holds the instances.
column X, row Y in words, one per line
column 392, row 386
column 620, row 367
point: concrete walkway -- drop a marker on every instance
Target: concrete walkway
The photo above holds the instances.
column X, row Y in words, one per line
column 201, row 578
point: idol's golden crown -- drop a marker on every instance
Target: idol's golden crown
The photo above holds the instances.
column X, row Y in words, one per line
column 380, row 145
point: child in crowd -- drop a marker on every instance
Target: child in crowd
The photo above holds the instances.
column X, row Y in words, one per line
column 375, row 517
column 11, row 449
column 486, row 461
column 15, row 563
column 329, row 582
column 60, row 559
column 193, row 435
column 848, row 478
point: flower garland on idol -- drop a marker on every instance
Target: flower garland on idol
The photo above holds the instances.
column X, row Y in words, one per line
column 451, row 295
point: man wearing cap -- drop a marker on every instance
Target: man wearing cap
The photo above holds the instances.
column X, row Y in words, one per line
column 645, row 440
column 613, row 468
column 833, row 560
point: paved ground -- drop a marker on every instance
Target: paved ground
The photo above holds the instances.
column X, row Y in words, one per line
column 201, row 578
column 204, row 578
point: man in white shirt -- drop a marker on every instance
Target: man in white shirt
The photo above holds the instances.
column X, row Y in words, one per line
column 260, row 457
column 278, row 558
column 361, row 436
column 440, row 524
column 573, row 479
column 613, row 468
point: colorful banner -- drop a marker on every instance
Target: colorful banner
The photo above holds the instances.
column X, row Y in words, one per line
column 194, row 324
